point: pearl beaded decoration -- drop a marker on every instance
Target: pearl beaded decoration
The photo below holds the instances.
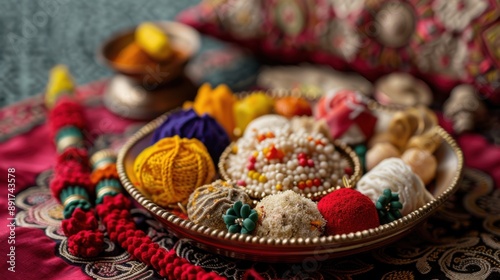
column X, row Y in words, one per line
column 270, row 161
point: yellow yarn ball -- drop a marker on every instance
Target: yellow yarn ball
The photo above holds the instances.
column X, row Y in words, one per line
column 171, row 169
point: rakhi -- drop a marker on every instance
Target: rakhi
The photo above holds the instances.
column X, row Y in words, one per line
column 73, row 185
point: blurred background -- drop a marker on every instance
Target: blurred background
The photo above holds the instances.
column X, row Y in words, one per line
column 36, row 35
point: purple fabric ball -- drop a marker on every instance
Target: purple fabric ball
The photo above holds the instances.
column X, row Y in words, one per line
column 187, row 124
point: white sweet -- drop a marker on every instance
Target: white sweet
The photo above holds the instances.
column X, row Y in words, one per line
column 266, row 123
column 394, row 174
column 324, row 169
column 288, row 215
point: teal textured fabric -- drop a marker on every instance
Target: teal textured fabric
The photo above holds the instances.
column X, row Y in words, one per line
column 36, row 35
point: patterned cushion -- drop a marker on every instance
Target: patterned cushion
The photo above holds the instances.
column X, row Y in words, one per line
column 445, row 42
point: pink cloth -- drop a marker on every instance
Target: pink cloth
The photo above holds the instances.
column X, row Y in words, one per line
column 35, row 258
column 30, row 153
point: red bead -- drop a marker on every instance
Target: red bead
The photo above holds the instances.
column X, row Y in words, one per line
column 310, row 163
column 301, row 155
column 302, row 185
column 242, row 183
column 309, row 183
column 273, row 153
column 302, row 162
column 317, row 182
column 348, row 170
column 252, row 159
column 251, row 166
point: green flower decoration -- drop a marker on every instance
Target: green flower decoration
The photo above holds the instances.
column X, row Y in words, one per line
column 388, row 207
column 240, row 218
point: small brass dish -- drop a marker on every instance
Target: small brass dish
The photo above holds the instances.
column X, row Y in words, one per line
column 144, row 92
column 185, row 42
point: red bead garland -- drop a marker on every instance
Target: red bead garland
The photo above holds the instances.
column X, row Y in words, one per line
column 72, row 169
column 121, row 229
column 72, row 175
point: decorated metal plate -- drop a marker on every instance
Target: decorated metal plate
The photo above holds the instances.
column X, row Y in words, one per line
column 449, row 170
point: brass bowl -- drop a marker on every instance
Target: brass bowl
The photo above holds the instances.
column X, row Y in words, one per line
column 185, row 43
column 450, row 164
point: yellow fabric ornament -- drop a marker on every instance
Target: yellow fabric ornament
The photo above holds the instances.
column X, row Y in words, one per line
column 218, row 103
column 60, row 83
column 251, row 107
column 171, row 169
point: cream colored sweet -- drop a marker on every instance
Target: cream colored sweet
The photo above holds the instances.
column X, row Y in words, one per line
column 288, row 215
column 378, row 153
column 208, row 203
column 394, row 174
column 267, row 123
column 422, row 162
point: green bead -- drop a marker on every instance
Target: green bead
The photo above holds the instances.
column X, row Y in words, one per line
column 234, row 228
column 245, row 211
column 387, row 193
column 248, row 224
column 254, row 216
column 229, row 219
column 237, row 207
column 395, row 205
column 231, row 212
column 383, row 200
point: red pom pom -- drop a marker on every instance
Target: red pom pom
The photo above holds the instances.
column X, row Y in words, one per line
column 86, row 243
column 79, row 221
column 347, row 210
column 76, row 155
column 84, row 238
column 70, row 173
column 66, row 112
